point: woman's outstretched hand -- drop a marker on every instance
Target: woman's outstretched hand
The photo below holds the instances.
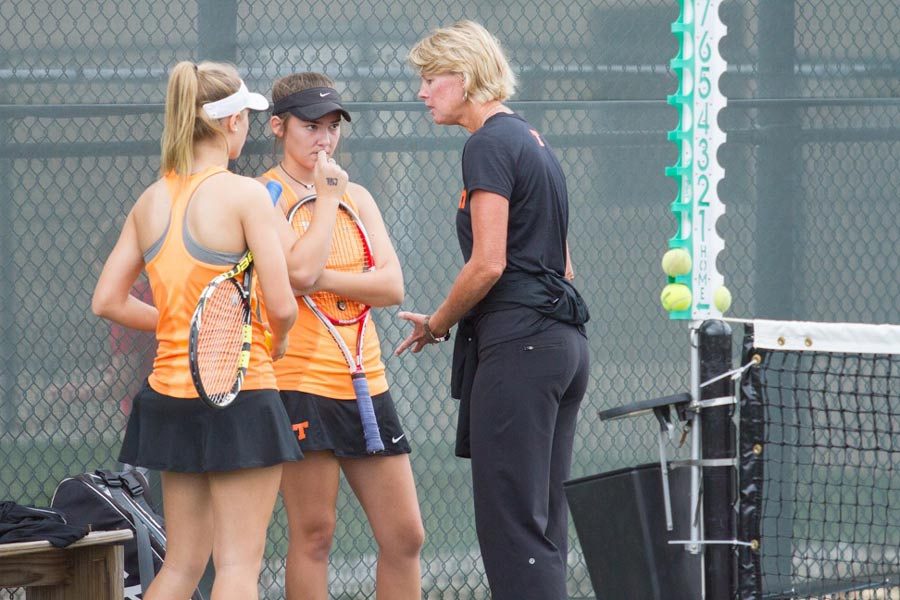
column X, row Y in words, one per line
column 417, row 338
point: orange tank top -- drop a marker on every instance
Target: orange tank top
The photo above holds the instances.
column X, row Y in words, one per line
column 313, row 363
column 177, row 278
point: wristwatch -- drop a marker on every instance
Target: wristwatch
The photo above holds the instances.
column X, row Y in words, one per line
column 430, row 334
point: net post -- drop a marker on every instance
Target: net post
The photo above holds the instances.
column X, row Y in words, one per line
column 696, row 432
column 718, row 442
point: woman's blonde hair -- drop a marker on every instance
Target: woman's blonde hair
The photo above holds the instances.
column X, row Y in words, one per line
column 469, row 49
column 190, row 87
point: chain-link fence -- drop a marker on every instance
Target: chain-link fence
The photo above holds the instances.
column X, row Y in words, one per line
column 812, row 227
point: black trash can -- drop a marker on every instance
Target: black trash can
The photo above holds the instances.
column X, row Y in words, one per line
column 621, row 523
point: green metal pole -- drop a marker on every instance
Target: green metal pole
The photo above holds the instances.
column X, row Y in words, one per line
column 217, row 30
column 777, row 278
column 9, row 361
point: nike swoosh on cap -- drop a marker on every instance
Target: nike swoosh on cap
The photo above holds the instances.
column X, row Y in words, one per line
column 322, row 95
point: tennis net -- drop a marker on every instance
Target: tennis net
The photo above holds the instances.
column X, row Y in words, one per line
column 819, row 438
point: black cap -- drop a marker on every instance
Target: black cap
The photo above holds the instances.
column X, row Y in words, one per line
column 311, row 104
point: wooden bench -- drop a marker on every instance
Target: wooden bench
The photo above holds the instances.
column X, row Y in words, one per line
column 91, row 568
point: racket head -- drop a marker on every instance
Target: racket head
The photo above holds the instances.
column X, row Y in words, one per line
column 220, row 338
column 350, row 253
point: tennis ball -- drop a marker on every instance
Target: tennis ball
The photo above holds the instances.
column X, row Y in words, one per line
column 676, row 296
column 676, row 262
column 722, row 299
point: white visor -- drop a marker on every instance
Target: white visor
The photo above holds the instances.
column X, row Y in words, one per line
column 235, row 103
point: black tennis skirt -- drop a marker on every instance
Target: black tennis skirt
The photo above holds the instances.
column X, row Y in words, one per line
column 334, row 425
column 187, row 436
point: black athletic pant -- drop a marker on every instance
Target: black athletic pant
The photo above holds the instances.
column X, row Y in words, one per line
column 525, row 400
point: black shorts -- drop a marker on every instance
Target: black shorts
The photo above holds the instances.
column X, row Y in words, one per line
column 334, row 425
column 187, row 436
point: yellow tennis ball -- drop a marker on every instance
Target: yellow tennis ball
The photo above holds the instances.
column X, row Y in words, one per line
column 722, row 299
column 676, row 262
column 676, row 296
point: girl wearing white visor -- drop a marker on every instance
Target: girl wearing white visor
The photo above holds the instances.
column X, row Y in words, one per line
column 220, row 469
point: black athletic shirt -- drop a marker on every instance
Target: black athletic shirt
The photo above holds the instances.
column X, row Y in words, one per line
column 507, row 156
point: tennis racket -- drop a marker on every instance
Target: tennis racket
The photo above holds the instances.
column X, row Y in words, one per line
column 222, row 332
column 351, row 253
column 221, row 335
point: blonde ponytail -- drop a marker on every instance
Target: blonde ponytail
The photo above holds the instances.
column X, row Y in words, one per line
column 190, row 87
column 181, row 112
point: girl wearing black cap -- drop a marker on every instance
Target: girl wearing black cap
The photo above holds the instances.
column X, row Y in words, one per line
column 315, row 384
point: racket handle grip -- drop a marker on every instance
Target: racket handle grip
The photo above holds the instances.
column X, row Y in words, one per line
column 374, row 445
column 274, row 191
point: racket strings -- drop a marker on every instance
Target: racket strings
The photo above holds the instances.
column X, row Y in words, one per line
column 220, row 340
column 348, row 254
column 348, row 250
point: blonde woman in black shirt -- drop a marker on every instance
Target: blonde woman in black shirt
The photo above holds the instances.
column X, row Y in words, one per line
column 521, row 357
